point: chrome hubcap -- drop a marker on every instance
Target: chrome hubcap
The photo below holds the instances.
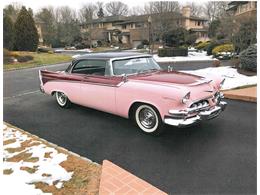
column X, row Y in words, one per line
column 62, row 98
column 147, row 118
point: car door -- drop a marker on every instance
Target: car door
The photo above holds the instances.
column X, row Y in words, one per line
column 97, row 86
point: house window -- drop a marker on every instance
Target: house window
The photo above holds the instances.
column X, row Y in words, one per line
column 199, row 23
column 139, row 25
column 124, row 27
column 95, row 25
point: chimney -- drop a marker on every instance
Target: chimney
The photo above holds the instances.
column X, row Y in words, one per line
column 186, row 11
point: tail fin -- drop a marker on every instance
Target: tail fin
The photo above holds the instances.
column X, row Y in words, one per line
column 41, row 82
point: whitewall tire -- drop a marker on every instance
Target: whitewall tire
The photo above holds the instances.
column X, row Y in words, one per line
column 62, row 100
column 148, row 119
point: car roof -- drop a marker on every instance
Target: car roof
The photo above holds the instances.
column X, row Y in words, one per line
column 110, row 55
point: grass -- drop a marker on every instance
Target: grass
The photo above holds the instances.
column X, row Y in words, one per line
column 39, row 59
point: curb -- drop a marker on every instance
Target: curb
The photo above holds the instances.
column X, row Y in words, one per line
column 240, row 97
column 247, row 94
column 37, row 66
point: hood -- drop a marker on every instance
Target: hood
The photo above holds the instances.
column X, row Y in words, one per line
column 174, row 77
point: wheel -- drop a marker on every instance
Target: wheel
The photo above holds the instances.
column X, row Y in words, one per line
column 148, row 119
column 62, row 100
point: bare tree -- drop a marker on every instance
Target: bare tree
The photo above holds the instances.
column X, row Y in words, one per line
column 215, row 9
column 46, row 15
column 164, row 16
column 136, row 10
column 87, row 12
column 196, row 9
column 115, row 8
column 68, row 28
column 162, row 7
column 12, row 10
column 65, row 14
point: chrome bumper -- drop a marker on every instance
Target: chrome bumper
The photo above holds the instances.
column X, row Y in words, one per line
column 200, row 116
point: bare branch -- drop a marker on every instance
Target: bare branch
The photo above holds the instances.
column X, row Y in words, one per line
column 116, row 8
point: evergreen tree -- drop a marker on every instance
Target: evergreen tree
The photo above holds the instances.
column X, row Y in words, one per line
column 26, row 35
column 8, row 33
column 100, row 13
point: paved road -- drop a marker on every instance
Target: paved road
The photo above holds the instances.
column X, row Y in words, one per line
column 218, row 156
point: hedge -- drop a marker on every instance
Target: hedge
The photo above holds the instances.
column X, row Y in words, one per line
column 168, row 52
column 202, row 45
column 223, row 48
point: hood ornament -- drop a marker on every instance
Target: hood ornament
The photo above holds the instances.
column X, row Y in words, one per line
column 170, row 68
column 125, row 78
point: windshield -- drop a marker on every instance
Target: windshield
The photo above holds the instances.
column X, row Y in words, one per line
column 134, row 66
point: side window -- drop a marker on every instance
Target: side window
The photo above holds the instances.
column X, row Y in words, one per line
column 91, row 67
column 80, row 65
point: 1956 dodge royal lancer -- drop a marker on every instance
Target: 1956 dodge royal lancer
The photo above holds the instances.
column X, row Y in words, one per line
column 133, row 85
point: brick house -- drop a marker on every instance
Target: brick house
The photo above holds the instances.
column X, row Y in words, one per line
column 242, row 9
column 134, row 29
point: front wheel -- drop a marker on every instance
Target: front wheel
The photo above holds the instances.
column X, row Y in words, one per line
column 148, row 119
column 62, row 100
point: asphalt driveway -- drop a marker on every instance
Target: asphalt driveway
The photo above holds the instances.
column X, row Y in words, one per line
column 216, row 157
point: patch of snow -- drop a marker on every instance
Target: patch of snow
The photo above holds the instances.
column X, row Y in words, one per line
column 233, row 79
column 59, row 185
column 192, row 56
column 13, row 185
column 48, row 166
column 75, row 56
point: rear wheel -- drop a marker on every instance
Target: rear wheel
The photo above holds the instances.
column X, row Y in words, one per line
column 62, row 100
column 148, row 119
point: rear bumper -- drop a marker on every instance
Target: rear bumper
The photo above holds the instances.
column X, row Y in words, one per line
column 200, row 116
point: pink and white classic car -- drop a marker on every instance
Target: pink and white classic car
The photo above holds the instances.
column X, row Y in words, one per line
column 132, row 85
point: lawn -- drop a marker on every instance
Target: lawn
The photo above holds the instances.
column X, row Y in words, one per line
column 39, row 59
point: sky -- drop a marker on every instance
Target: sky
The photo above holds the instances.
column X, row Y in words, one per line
column 75, row 4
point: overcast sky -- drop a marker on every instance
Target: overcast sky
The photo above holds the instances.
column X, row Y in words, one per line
column 75, row 4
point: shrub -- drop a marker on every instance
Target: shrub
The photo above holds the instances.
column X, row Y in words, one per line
column 14, row 54
column 7, row 56
column 175, row 37
column 203, row 45
column 223, row 48
column 6, row 52
column 168, row 52
column 140, row 46
column 145, row 42
column 248, row 59
column 210, row 47
column 24, row 58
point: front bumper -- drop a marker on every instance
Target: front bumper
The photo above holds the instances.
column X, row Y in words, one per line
column 199, row 116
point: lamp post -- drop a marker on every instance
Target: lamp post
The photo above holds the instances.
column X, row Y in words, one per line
column 149, row 31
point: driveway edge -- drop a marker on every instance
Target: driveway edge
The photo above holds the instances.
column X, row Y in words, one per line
column 246, row 94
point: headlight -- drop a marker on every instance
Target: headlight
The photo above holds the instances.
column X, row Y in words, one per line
column 221, row 84
column 186, row 98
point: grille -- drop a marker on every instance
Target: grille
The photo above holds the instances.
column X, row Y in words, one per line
column 199, row 105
